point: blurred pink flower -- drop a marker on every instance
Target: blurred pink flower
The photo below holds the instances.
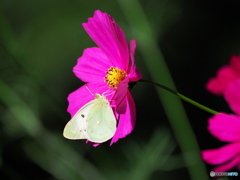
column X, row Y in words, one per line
column 226, row 128
column 225, row 75
column 107, row 68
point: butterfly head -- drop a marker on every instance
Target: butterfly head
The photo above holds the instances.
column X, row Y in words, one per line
column 97, row 95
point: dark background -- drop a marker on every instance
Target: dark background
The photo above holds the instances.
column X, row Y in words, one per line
column 40, row 42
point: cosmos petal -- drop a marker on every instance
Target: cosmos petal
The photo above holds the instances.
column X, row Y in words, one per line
column 218, row 84
column 227, row 166
column 92, row 65
column 109, row 37
column 225, row 127
column 121, row 96
column 232, row 96
column 127, row 121
column 221, row 155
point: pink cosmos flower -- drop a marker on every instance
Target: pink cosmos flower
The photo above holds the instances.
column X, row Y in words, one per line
column 107, row 68
column 226, row 127
column 225, row 75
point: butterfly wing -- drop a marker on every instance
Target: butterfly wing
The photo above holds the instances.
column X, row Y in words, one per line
column 101, row 122
column 76, row 127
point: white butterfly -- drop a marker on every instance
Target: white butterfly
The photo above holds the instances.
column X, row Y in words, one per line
column 95, row 121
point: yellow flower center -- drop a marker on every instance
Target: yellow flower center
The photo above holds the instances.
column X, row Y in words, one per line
column 114, row 77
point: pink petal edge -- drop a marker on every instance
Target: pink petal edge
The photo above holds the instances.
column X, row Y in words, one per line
column 221, row 155
column 229, row 165
column 218, row 84
column 120, row 96
column 225, row 127
column 232, row 96
column 134, row 73
column 127, row 121
column 235, row 63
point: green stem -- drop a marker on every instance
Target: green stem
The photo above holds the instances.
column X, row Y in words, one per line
column 181, row 97
column 149, row 48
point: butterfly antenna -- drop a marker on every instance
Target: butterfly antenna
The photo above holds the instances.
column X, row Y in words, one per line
column 105, row 93
column 89, row 90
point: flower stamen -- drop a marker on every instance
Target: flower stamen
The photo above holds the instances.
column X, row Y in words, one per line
column 114, row 77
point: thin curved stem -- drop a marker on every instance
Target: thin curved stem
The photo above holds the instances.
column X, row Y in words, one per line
column 181, row 96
